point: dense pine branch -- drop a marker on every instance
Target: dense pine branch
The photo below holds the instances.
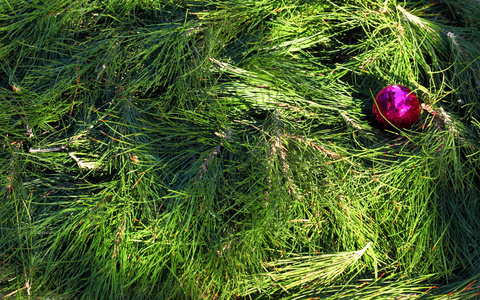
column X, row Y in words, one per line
column 222, row 149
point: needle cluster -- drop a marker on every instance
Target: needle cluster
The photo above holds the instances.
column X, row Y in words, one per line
column 224, row 149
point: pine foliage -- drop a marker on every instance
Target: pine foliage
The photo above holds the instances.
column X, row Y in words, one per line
column 225, row 149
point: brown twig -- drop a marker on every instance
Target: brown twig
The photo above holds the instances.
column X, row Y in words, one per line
column 14, row 292
column 226, row 135
column 353, row 123
column 447, row 120
column 320, row 148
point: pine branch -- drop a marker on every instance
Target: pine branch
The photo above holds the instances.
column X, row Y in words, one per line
column 227, row 148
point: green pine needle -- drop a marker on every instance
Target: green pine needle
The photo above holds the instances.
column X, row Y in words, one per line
column 227, row 149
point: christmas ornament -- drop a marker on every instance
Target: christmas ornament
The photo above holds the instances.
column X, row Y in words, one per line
column 396, row 106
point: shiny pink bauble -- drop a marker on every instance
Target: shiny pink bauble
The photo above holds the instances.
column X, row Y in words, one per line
column 396, row 106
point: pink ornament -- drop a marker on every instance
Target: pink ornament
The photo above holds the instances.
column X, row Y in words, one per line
column 396, row 106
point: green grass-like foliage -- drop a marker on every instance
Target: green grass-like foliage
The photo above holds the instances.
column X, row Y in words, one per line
column 227, row 149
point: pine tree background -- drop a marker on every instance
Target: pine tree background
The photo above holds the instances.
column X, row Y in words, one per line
column 227, row 149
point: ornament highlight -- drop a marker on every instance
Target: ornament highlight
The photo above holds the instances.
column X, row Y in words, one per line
column 396, row 106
